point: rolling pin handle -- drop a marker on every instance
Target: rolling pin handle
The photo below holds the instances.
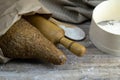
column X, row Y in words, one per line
column 74, row 47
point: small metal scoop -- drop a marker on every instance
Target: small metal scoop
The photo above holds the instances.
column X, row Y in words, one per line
column 73, row 33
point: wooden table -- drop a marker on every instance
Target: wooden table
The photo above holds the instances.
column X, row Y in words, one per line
column 95, row 65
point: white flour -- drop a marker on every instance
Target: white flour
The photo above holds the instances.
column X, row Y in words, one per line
column 112, row 26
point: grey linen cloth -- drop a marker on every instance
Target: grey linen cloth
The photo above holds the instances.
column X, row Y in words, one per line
column 73, row 11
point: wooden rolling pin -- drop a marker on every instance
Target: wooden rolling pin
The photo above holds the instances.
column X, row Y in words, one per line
column 55, row 34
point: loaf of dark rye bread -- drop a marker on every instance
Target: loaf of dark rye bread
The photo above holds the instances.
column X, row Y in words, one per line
column 24, row 41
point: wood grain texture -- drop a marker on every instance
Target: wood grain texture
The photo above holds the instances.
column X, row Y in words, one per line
column 95, row 65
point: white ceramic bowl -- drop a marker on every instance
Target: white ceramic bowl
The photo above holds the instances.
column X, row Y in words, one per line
column 103, row 40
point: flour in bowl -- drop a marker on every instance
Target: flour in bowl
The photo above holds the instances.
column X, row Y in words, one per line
column 112, row 26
